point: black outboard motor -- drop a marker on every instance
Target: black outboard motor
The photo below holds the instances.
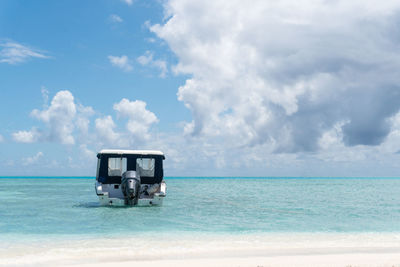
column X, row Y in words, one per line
column 130, row 185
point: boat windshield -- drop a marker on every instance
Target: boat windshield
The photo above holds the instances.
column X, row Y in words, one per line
column 145, row 166
column 116, row 166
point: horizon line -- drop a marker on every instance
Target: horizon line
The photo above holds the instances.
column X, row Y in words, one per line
column 199, row 177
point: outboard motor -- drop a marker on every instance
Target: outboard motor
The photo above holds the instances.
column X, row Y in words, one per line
column 130, row 186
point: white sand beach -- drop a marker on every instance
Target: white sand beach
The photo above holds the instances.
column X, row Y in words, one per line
column 369, row 249
column 321, row 260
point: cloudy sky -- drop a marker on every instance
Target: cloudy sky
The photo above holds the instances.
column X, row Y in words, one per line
column 224, row 88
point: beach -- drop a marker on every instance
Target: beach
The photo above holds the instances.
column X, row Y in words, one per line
column 295, row 249
column 356, row 259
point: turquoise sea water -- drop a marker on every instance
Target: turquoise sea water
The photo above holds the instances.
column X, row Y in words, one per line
column 62, row 207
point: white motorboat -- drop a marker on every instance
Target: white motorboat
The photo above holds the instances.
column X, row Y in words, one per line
column 130, row 177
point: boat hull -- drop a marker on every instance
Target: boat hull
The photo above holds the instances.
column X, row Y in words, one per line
column 107, row 201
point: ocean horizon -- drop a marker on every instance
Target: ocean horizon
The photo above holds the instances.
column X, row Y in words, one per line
column 206, row 177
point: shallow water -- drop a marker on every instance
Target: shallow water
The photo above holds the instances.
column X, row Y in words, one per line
column 59, row 208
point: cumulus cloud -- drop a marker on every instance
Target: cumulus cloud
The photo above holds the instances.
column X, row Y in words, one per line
column 61, row 118
column 64, row 121
column 147, row 60
column 137, row 129
column 285, row 74
column 68, row 123
column 107, row 135
column 26, row 136
column 139, row 118
column 115, row 18
column 82, row 121
column 121, row 62
column 14, row 53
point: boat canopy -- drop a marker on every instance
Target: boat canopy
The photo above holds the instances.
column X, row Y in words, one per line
column 113, row 163
column 130, row 152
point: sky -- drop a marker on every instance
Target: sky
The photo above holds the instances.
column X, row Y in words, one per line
column 223, row 88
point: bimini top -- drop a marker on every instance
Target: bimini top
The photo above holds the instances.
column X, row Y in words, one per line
column 131, row 152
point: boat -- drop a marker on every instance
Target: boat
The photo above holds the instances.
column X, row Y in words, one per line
column 130, row 177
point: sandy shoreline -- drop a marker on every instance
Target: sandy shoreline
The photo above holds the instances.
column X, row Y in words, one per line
column 343, row 260
column 368, row 249
column 362, row 257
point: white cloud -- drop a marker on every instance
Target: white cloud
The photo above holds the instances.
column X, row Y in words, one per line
column 106, row 134
column 128, row 2
column 26, row 136
column 391, row 145
column 61, row 119
column 139, row 118
column 147, row 60
column 68, row 123
column 1, row 138
column 121, row 62
column 14, row 53
column 283, row 74
column 138, row 126
column 32, row 160
column 82, row 121
column 115, row 18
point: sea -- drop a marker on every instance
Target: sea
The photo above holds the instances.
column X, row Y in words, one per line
column 42, row 218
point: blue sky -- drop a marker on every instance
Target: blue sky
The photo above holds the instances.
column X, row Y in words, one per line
column 309, row 88
column 78, row 37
